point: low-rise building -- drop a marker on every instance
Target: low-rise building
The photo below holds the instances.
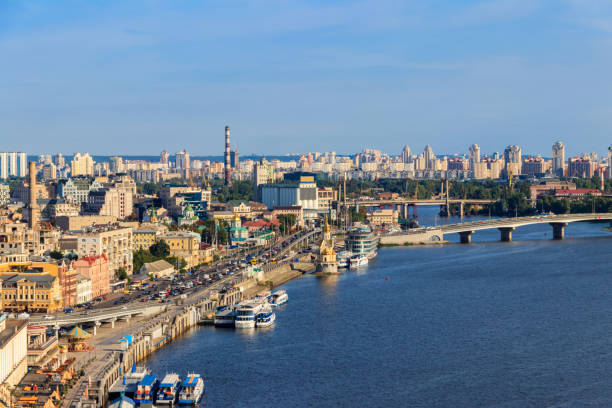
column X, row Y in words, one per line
column 183, row 244
column 31, row 287
column 83, row 289
column 383, row 217
column 157, row 269
column 295, row 210
column 96, row 268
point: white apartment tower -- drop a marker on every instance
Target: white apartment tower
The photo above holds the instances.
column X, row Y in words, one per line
column 474, row 154
column 430, row 158
column 82, row 165
column 13, row 164
column 558, row 159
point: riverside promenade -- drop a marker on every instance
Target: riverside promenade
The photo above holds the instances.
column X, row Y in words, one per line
column 108, row 361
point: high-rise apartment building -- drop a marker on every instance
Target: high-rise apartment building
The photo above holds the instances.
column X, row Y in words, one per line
column 558, row 159
column 164, row 157
column 406, row 154
column 82, row 165
column 430, row 158
column 13, row 164
column 59, row 160
column 234, row 159
column 513, row 160
column 474, row 155
column 581, row 167
column 181, row 160
column 263, row 173
column 115, row 164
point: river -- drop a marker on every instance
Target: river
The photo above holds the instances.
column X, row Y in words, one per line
column 490, row 324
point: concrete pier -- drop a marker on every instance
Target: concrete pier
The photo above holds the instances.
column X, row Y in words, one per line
column 466, row 236
column 506, row 233
column 558, row 230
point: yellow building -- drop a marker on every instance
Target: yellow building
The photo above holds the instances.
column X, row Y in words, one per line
column 185, row 245
column 30, row 287
column 382, row 217
column 144, row 238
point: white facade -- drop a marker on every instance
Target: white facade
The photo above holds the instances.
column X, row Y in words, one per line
column 13, row 352
column 13, row 164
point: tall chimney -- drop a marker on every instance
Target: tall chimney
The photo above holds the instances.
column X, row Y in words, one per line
column 33, row 206
column 228, row 176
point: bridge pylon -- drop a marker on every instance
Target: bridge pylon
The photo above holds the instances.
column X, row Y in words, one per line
column 558, row 230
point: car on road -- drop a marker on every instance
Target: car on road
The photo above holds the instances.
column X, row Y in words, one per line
column 69, row 310
column 123, row 307
column 47, row 317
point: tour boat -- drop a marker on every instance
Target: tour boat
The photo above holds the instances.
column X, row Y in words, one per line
column 192, row 389
column 265, row 318
column 358, row 261
column 245, row 314
column 146, row 389
column 225, row 317
column 343, row 258
column 168, row 389
column 278, row 298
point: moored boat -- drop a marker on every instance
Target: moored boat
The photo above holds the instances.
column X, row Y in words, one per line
column 265, row 318
column 225, row 317
column 278, row 298
column 168, row 389
column 245, row 314
column 192, row 389
column 146, row 390
column 343, row 258
column 358, row 261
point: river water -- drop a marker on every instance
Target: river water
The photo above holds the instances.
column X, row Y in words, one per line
column 490, row 324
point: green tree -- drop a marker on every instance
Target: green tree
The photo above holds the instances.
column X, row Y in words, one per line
column 160, row 249
column 121, row 274
column 56, row 255
column 140, row 257
column 176, row 260
column 287, row 221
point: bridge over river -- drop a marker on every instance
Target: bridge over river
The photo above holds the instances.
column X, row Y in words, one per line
column 504, row 225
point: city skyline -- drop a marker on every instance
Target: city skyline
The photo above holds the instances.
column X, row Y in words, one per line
column 86, row 77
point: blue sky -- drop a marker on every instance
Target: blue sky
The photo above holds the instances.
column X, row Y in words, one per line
column 135, row 77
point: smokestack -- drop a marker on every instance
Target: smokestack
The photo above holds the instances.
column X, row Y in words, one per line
column 228, row 176
column 33, row 206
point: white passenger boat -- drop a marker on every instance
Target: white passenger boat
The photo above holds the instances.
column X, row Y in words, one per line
column 358, row 261
column 278, row 298
column 168, row 389
column 265, row 318
column 192, row 390
column 225, row 317
column 245, row 314
column 343, row 259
